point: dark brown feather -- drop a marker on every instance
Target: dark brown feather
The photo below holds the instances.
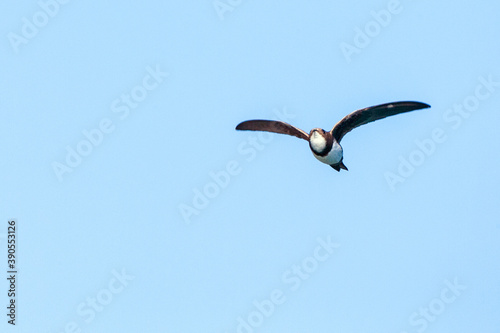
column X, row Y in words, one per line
column 272, row 126
column 372, row 113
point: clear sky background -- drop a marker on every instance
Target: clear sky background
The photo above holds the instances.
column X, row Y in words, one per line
column 140, row 208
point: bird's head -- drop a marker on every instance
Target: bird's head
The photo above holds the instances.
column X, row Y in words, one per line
column 318, row 139
column 317, row 131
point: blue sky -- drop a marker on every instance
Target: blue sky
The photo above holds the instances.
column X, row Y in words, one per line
column 140, row 209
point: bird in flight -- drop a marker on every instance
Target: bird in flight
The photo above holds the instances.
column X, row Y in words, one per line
column 324, row 145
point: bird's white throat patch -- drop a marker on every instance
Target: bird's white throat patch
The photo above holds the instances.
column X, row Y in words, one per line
column 318, row 142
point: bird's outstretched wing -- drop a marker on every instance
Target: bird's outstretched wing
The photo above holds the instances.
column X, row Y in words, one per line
column 272, row 126
column 372, row 113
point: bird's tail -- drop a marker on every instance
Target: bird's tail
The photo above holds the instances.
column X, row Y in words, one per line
column 339, row 166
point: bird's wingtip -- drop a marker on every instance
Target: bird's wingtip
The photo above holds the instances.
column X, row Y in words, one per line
column 422, row 105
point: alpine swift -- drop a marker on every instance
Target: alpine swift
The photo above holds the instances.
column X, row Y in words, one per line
column 324, row 145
